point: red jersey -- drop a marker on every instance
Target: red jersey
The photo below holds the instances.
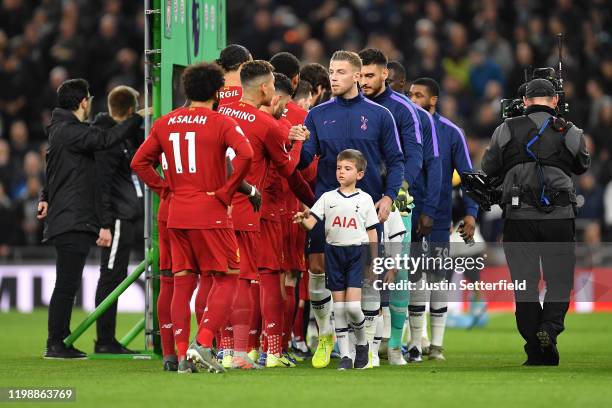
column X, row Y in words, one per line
column 295, row 114
column 194, row 141
column 269, row 151
column 229, row 94
column 274, row 199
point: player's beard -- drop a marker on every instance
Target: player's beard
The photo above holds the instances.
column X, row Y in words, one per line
column 373, row 91
column 279, row 110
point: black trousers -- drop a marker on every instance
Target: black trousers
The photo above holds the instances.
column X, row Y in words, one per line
column 72, row 249
column 529, row 244
column 113, row 270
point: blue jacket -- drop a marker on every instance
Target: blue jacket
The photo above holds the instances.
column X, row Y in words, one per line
column 454, row 154
column 426, row 188
column 407, row 123
column 360, row 124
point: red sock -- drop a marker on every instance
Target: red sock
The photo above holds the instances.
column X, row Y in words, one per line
column 288, row 316
column 255, row 323
column 227, row 335
column 181, row 312
column 218, row 308
column 272, row 310
column 202, row 295
column 241, row 315
column 298, row 325
column 164, row 315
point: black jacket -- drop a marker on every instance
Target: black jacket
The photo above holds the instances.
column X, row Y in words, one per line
column 118, row 194
column 71, row 185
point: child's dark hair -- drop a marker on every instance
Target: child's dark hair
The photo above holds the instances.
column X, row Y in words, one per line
column 355, row 156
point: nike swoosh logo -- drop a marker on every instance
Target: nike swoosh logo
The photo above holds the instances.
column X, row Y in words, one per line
column 332, row 206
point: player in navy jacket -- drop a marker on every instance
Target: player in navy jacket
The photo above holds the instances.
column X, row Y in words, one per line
column 373, row 75
column 348, row 121
column 454, row 154
column 422, row 168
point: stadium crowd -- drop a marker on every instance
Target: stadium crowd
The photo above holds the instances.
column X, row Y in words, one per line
column 476, row 50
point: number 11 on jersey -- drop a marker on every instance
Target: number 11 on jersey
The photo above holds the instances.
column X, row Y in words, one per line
column 175, row 138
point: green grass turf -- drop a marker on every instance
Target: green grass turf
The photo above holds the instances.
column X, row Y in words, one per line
column 482, row 369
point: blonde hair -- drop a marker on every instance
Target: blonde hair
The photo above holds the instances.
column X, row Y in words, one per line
column 349, row 56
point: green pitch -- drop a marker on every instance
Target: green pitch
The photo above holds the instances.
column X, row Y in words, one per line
column 482, row 369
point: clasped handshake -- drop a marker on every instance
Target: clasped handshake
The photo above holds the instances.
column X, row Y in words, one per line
column 299, row 133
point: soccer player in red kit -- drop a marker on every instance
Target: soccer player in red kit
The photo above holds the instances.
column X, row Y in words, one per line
column 274, row 259
column 268, row 142
column 231, row 59
column 194, row 140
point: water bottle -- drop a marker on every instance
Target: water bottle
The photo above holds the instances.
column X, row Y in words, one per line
column 469, row 242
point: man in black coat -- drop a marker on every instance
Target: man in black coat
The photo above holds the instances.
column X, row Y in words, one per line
column 69, row 201
column 121, row 208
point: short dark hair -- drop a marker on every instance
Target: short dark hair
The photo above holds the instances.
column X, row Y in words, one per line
column 373, row 56
column 71, row 92
column 316, row 75
column 431, row 85
column 355, row 156
column 120, row 99
column 202, row 81
column 303, row 90
column 286, row 63
column 282, row 83
column 253, row 70
column 232, row 56
column 348, row 56
column 397, row 67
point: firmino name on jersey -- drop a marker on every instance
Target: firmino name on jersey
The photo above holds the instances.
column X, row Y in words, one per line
column 238, row 114
column 189, row 119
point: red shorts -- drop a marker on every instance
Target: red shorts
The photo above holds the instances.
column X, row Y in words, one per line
column 248, row 242
column 270, row 254
column 214, row 250
column 286, row 226
column 165, row 261
column 298, row 245
column 304, row 279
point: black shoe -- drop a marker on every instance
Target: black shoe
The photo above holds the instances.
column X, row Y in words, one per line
column 362, row 356
column 59, row 351
column 550, row 354
column 345, row 363
column 300, row 353
column 534, row 355
column 113, row 347
column 170, row 363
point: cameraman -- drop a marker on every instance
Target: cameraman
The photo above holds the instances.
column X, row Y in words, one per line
column 535, row 156
column 121, row 207
column 68, row 201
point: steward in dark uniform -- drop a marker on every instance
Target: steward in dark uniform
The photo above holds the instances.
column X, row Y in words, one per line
column 69, row 201
column 536, row 156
